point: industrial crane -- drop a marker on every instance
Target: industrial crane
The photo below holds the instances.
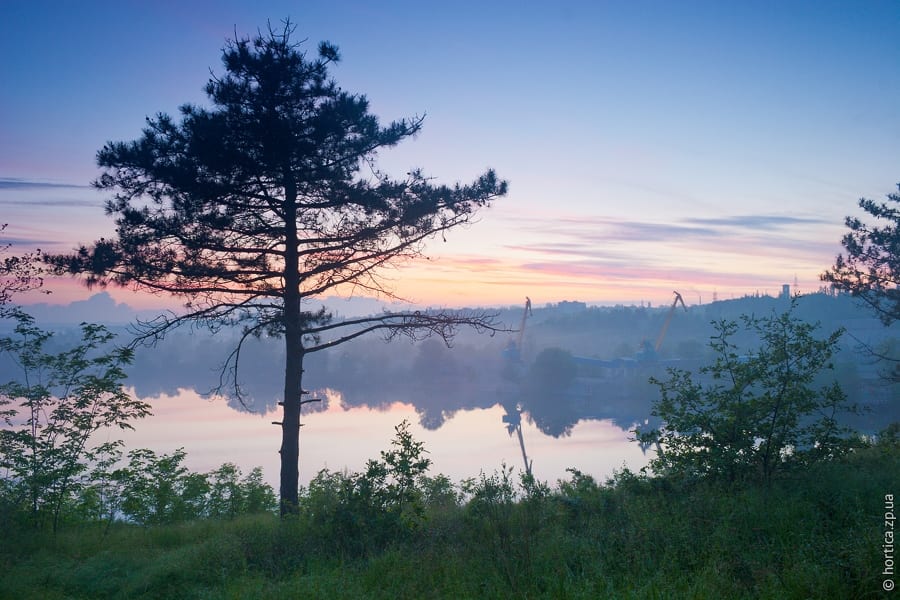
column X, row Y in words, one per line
column 525, row 314
column 513, row 350
column 665, row 327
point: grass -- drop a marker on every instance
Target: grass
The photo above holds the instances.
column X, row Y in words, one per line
column 816, row 534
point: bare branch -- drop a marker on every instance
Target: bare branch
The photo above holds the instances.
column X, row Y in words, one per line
column 413, row 325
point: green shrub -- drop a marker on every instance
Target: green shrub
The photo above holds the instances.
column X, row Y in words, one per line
column 755, row 414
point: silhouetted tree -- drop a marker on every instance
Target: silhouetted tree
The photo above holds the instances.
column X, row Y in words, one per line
column 871, row 268
column 268, row 198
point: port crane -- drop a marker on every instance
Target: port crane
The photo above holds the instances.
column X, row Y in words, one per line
column 514, row 348
column 525, row 314
column 665, row 327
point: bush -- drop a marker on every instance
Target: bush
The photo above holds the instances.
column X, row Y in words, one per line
column 752, row 415
column 160, row 489
column 51, row 413
column 355, row 513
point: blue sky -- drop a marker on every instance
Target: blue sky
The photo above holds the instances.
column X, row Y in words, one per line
column 708, row 147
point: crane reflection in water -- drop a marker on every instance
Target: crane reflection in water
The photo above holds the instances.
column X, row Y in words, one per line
column 558, row 388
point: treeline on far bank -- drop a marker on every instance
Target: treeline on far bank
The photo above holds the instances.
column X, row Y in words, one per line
column 393, row 531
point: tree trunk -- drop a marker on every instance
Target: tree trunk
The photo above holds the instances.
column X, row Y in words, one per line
column 290, row 426
column 293, row 368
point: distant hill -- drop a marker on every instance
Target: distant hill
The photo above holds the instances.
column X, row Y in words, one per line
column 99, row 308
column 102, row 308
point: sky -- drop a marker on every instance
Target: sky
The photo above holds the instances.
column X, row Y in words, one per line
column 713, row 148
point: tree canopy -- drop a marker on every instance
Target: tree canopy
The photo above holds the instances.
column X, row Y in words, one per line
column 870, row 269
column 266, row 199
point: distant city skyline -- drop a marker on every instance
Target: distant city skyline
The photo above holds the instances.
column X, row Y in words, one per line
column 704, row 147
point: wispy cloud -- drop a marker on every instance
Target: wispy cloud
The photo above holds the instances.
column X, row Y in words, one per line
column 38, row 195
column 67, row 202
column 596, row 257
column 610, row 229
column 642, row 274
column 603, row 238
column 17, row 241
column 563, row 250
column 759, row 222
column 634, row 231
column 19, row 183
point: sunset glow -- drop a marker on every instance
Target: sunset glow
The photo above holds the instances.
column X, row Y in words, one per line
column 713, row 149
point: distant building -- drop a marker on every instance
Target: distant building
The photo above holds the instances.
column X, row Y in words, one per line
column 571, row 306
column 785, row 291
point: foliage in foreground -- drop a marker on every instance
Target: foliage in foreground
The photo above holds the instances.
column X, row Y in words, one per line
column 153, row 489
column 817, row 534
column 56, row 467
column 754, row 414
column 52, row 411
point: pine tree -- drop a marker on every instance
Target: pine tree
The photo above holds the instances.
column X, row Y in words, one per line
column 269, row 198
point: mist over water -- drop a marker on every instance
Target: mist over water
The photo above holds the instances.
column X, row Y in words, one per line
column 575, row 383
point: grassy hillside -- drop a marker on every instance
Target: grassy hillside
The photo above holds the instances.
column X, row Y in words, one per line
column 815, row 534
